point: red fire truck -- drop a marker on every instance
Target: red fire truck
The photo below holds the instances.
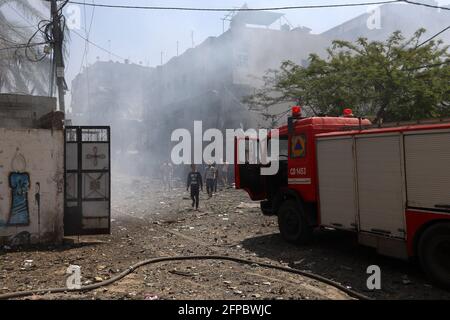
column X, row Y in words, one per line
column 389, row 185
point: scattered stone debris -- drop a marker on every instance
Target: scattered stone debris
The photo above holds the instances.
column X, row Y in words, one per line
column 246, row 205
column 139, row 233
column 28, row 264
column 151, row 297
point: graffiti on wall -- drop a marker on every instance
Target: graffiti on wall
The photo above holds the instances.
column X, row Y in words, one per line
column 2, row 222
column 19, row 183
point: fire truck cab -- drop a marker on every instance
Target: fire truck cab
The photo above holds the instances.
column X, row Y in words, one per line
column 389, row 185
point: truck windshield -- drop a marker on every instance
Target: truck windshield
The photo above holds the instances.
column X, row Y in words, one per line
column 283, row 148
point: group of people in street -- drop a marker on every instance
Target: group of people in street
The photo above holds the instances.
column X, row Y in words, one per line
column 195, row 179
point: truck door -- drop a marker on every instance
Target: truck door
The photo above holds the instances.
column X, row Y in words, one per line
column 427, row 159
column 299, row 175
column 248, row 168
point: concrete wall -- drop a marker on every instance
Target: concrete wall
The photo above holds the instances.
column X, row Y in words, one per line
column 31, row 186
column 24, row 110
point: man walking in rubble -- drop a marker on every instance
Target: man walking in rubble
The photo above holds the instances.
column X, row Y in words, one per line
column 210, row 176
column 195, row 182
column 170, row 175
column 216, row 176
column 225, row 174
column 167, row 172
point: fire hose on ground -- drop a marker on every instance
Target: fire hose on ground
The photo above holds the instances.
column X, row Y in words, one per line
column 348, row 291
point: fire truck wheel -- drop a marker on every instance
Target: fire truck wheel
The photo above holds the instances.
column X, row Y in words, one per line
column 292, row 223
column 434, row 253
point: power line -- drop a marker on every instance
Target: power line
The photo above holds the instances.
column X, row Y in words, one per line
column 433, row 37
column 238, row 9
column 97, row 46
column 9, row 41
column 23, row 46
column 262, row 9
column 425, row 5
column 86, row 50
column 19, row 14
column 88, row 32
column 428, row 66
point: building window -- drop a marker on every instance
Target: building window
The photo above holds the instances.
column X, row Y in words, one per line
column 242, row 61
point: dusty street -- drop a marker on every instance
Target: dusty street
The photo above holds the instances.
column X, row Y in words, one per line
column 148, row 222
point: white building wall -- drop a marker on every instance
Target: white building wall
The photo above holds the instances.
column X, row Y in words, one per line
column 31, row 169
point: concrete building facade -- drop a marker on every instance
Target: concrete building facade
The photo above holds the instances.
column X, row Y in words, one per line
column 209, row 82
column 380, row 23
column 31, row 171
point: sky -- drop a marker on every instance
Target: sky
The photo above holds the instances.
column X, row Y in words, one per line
column 142, row 35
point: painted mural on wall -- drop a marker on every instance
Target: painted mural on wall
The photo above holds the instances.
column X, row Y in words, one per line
column 19, row 183
column 2, row 222
column 31, row 187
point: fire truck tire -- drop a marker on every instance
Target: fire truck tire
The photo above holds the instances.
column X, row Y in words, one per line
column 292, row 223
column 434, row 253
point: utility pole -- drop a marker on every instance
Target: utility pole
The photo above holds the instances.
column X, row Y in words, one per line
column 58, row 54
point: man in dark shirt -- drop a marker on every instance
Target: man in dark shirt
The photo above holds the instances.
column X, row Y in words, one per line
column 195, row 182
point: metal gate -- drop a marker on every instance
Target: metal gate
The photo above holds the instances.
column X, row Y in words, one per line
column 87, row 200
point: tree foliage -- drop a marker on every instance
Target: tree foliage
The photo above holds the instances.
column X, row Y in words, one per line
column 393, row 80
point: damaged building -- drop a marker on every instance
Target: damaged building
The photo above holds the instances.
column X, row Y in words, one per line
column 208, row 82
column 112, row 93
column 380, row 23
column 204, row 83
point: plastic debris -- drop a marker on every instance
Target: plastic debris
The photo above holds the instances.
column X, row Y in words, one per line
column 151, row 297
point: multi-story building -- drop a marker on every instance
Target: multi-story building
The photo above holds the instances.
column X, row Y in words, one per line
column 208, row 82
column 381, row 22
